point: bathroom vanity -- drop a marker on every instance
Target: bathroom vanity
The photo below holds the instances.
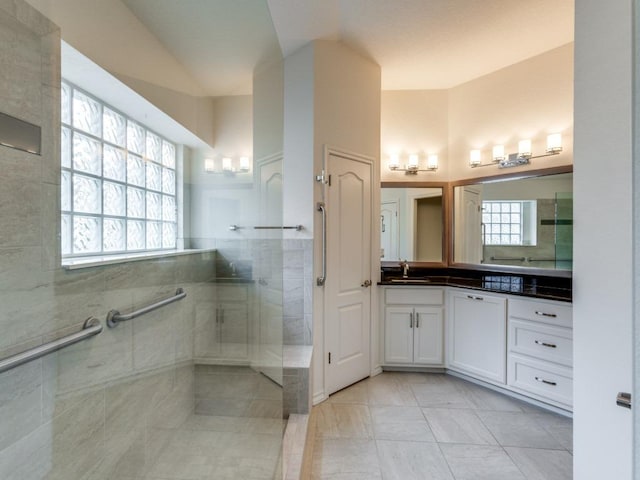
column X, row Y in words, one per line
column 513, row 332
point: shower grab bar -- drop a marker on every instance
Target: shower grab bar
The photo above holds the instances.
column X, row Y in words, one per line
column 114, row 316
column 294, row 227
column 504, row 259
column 90, row 328
column 549, row 260
column 321, row 208
column 297, row 228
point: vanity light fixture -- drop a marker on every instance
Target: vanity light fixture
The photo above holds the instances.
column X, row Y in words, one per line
column 230, row 166
column 244, row 164
column 413, row 165
column 523, row 157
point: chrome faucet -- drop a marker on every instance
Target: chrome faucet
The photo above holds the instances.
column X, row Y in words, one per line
column 405, row 268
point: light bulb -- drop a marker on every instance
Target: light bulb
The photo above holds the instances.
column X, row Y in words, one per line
column 244, row 164
column 474, row 158
column 432, row 162
column 413, row 162
column 498, row 153
column 226, row 164
column 554, row 143
column 524, row 148
column 394, row 161
column 209, row 165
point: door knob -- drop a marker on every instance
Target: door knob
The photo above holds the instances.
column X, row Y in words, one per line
column 366, row 283
column 623, row 399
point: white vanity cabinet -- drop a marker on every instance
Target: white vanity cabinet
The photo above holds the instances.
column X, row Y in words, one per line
column 477, row 333
column 232, row 323
column 540, row 350
column 413, row 326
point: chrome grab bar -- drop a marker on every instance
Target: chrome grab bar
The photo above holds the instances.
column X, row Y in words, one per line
column 321, row 208
column 297, row 228
column 509, row 259
column 114, row 316
column 91, row 327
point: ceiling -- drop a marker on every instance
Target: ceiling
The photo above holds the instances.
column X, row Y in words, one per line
column 429, row 44
column 211, row 47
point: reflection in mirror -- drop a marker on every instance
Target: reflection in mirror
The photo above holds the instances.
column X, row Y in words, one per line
column 411, row 224
column 522, row 222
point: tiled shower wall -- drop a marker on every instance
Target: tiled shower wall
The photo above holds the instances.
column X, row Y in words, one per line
column 106, row 407
column 298, row 291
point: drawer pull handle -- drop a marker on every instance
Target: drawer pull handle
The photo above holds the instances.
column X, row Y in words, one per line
column 417, row 320
column 411, row 320
column 544, row 344
column 473, row 297
column 545, row 314
column 542, row 380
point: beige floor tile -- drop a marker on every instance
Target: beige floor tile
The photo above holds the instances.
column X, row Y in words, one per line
column 538, row 464
column 480, row 462
column 412, row 460
column 440, row 394
column 560, row 427
column 400, row 423
column 458, row 426
column 345, row 458
column 481, row 398
column 385, row 390
column 408, row 377
column 518, row 430
column 356, row 393
column 343, row 420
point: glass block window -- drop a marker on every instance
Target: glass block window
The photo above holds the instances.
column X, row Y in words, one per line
column 508, row 222
column 118, row 182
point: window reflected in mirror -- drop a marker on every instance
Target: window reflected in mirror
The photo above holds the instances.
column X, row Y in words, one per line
column 522, row 222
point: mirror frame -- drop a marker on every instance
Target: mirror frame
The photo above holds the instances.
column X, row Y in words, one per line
column 446, row 227
column 543, row 172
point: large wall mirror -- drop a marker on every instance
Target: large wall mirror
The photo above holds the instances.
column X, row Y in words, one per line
column 523, row 222
column 412, row 222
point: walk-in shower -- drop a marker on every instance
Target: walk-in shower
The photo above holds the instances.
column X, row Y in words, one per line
column 142, row 338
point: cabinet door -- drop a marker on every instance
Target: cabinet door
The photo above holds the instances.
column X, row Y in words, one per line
column 398, row 335
column 428, row 336
column 233, row 324
column 477, row 335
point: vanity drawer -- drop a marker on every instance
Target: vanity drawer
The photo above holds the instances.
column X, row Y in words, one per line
column 541, row 379
column 414, row 296
column 546, row 342
column 555, row 313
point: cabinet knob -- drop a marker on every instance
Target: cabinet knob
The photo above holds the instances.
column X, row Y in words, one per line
column 366, row 283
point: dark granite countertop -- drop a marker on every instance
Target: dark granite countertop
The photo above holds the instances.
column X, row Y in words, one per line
column 233, row 280
column 536, row 286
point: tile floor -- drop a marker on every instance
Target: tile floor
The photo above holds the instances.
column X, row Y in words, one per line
column 433, row 426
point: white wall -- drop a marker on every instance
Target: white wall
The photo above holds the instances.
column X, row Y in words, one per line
column 602, row 212
column 414, row 121
column 332, row 97
column 298, row 165
column 527, row 100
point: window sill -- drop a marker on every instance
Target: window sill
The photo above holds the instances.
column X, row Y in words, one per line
column 101, row 260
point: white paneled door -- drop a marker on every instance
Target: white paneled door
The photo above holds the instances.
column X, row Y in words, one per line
column 389, row 230
column 348, row 284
